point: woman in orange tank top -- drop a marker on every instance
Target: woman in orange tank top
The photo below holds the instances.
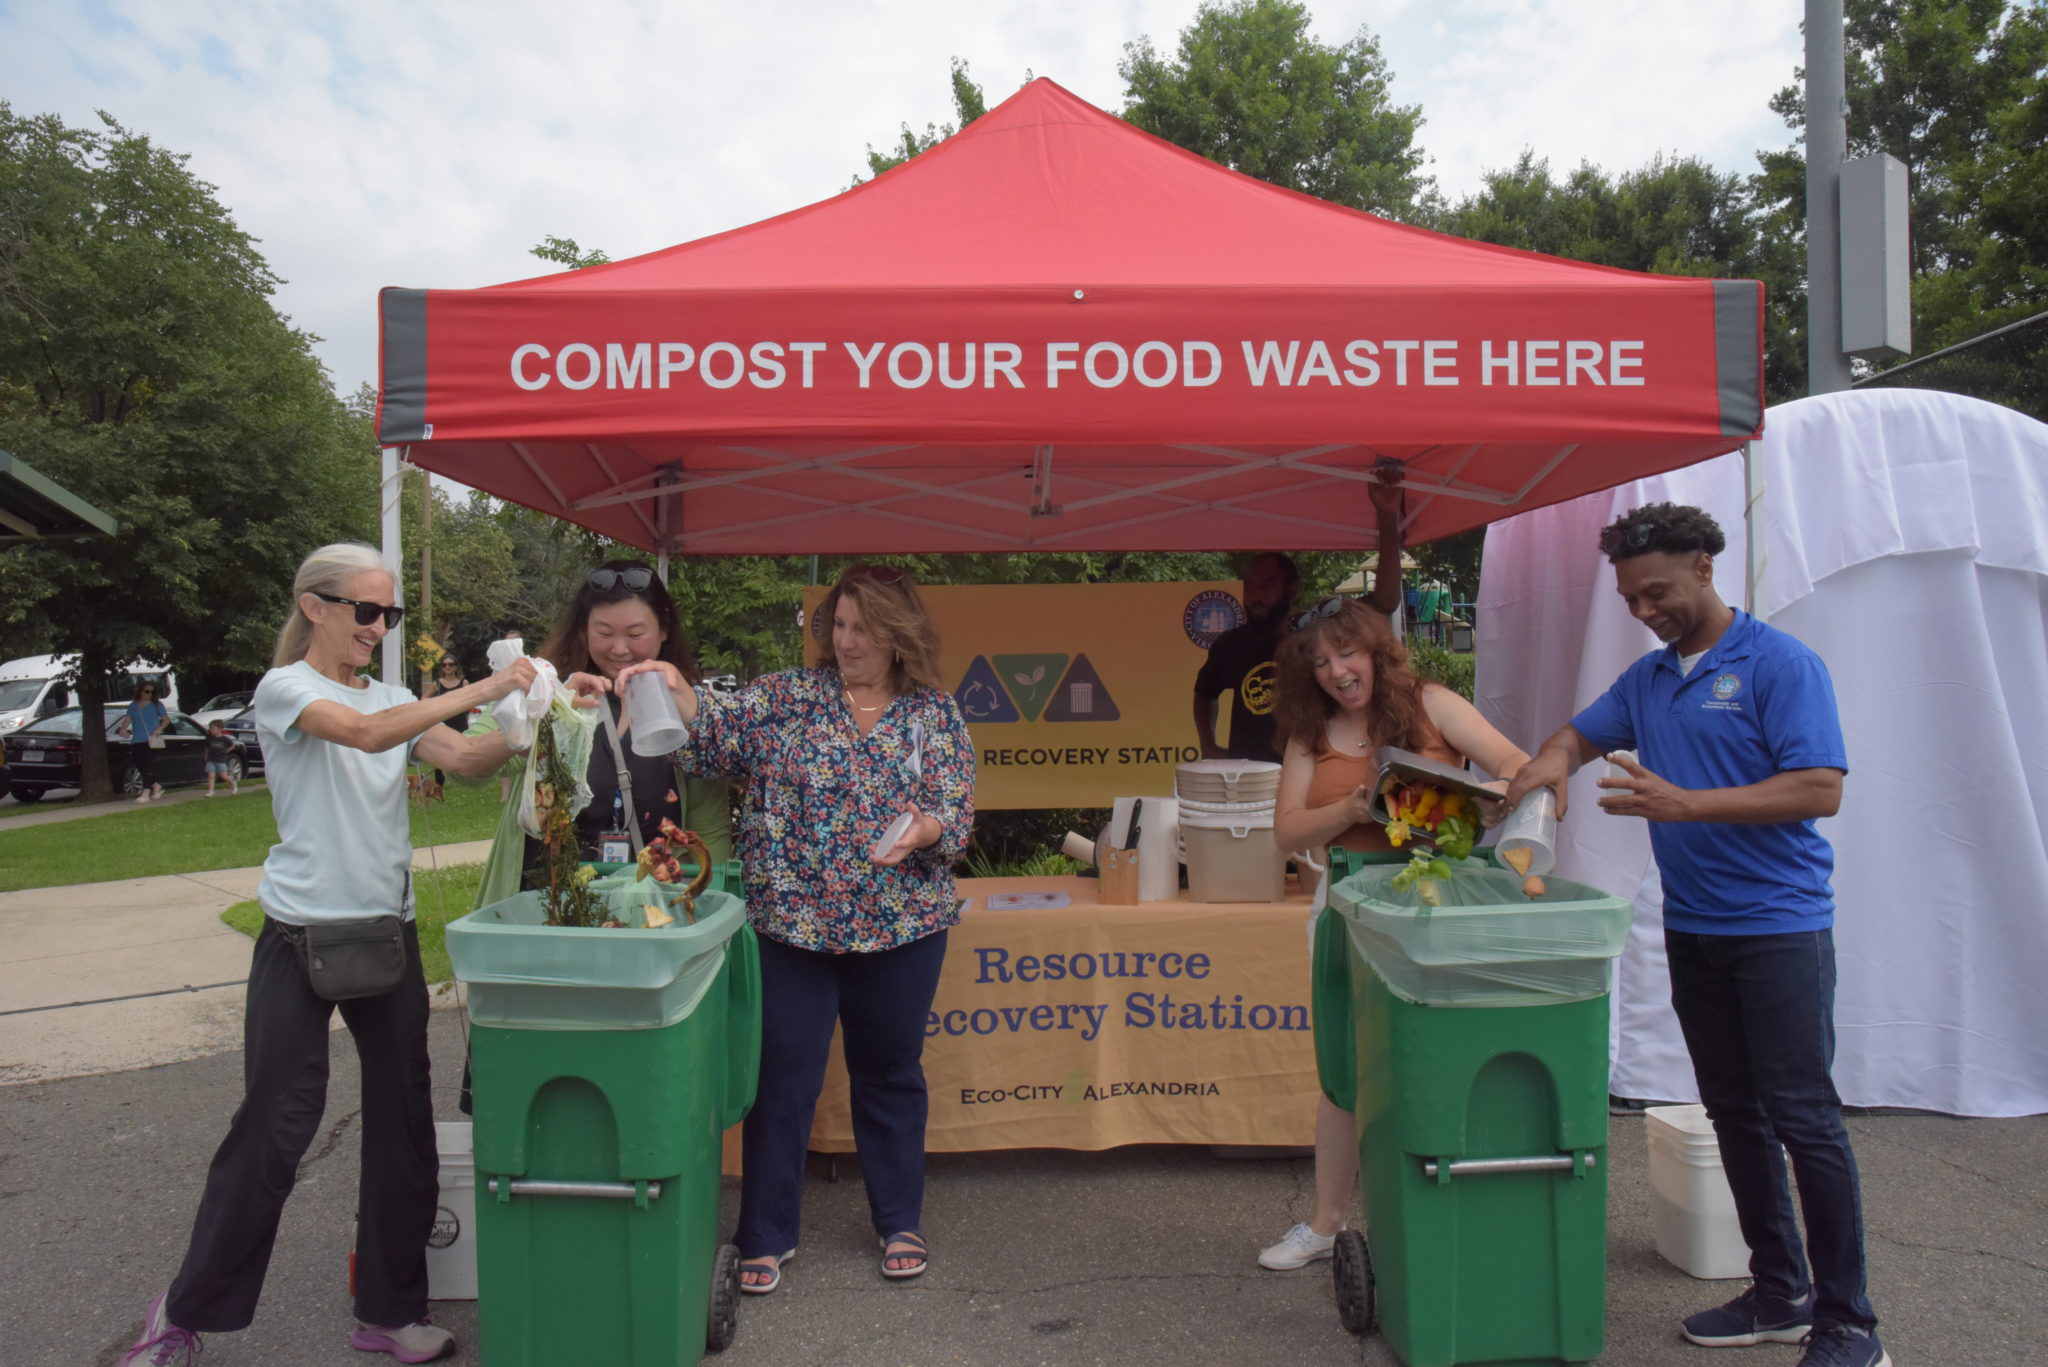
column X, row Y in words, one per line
column 1344, row 689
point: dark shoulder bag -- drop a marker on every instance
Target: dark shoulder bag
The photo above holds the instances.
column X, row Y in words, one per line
column 344, row 960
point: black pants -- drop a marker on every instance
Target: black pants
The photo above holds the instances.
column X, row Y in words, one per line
column 144, row 760
column 1758, row 1013
column 883, row 1001
column 284, row 1073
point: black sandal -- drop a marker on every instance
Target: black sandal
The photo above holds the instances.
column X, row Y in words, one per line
column 916, row 1269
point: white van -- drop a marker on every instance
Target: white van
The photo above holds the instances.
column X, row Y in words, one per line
column 33, row 687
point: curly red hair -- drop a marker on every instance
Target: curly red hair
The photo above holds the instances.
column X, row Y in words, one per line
column 1394, row 713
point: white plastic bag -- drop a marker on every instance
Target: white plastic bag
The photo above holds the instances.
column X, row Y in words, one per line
column 518, row 714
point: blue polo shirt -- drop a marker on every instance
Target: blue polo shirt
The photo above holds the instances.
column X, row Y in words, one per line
column 1757, row 704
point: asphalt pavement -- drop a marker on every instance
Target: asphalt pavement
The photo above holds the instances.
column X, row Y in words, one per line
column 1135, row 1256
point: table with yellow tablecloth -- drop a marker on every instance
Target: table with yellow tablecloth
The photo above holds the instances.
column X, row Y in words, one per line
column 1090, row 1026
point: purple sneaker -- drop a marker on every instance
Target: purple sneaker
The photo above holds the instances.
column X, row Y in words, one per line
column 162, row 1344
column 421, row 1341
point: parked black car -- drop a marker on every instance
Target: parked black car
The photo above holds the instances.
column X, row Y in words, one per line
column 47, row 754
column 242, row 726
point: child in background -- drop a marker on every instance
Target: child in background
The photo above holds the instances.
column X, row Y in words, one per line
column 219, row 746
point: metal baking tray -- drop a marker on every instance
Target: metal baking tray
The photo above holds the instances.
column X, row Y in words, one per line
column 1404, row 766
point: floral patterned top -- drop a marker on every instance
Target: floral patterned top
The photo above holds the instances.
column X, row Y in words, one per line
column 820, row 794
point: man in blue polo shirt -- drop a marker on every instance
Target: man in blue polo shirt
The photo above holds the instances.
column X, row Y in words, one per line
column 1741, row 751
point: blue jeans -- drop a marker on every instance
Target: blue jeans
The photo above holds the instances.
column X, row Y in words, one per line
column 1758, row 1012
column 881, row 1001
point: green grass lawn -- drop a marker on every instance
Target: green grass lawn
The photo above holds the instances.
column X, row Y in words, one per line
column 221, row 833
column 439, row 896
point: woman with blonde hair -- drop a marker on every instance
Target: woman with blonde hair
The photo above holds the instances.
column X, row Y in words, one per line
column 860, row 796
column 1343, row 690
column 338, row 904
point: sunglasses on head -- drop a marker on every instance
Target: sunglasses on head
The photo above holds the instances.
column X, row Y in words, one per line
column 881, row 574
column 633, row 579
column 1329, row 607
column 366, row 613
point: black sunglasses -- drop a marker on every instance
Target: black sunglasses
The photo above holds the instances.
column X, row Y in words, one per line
column 366, row 613
column 1329, row 607
column 633, row 580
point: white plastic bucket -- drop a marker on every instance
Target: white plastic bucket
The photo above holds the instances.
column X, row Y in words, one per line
column 1231, row 856
column 451, row 1245
column 1691, row 1207
column 1227, row 780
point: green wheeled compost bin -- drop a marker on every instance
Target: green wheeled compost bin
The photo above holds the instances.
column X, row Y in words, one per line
column 608, row 1064
column 1477, row 1069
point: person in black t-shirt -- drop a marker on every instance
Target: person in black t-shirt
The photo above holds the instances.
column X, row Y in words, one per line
column 1241, row 659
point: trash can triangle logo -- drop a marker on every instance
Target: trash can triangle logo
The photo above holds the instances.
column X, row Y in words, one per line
column 1081, row 696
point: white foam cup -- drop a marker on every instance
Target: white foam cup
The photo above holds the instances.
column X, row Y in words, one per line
column 651, row 710
column 1532, row 827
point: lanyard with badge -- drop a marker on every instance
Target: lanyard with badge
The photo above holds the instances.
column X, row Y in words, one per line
column 619, row 842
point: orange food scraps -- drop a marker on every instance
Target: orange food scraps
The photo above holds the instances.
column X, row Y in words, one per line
column 1518, row 859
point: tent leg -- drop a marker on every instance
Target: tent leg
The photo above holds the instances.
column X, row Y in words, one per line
column 392, row 659
column 1752, row 527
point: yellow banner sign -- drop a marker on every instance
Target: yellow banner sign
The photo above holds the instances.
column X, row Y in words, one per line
column 1075, row 693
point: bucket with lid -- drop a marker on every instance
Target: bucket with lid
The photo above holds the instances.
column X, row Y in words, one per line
column 1227, row 780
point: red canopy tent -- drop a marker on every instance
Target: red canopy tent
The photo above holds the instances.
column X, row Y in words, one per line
column 1056, row 332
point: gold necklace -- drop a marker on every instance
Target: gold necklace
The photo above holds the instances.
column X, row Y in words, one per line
column 856, row 706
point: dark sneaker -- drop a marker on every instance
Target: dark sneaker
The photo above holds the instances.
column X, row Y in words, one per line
column 1841, row 1345
column 1752, row 1317
column 162, row 1344
column 420, row 1341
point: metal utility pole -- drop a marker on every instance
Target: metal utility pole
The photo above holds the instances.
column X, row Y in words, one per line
column 1827, row 138
column 391, row 653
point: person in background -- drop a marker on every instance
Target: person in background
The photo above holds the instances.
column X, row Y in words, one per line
column 1738, row 753
column 1346, row 690
column 1241, row 660
column 852, row 927
column 447, row 676
column 336, row 746
column 146, row 717
column 220, row 748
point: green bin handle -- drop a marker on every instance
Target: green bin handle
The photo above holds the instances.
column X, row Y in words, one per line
column 1330, row 1013
column 743, row 1018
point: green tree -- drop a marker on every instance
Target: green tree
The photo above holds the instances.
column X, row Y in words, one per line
column 968, row 105
column 143, row 366
column 1954, row 89
column 565, row 251
column 1675, row 216
column 1250, row 88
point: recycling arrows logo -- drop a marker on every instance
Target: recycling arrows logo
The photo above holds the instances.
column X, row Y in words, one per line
column 1045, row 687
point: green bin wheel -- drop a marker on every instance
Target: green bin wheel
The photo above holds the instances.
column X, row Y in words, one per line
column 1351, row 1268
column 723, row 1323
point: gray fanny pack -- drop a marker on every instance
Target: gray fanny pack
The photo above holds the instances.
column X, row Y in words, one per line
column 348, row 959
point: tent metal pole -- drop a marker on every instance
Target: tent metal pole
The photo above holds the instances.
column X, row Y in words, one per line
column 1755, row 556
column 392, row 658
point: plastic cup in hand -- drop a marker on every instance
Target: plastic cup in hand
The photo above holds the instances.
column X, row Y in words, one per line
column 902, row 823
column 657, row 727
column 1531, row 827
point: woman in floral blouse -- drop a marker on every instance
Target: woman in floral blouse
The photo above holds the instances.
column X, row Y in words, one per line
column 852, row 930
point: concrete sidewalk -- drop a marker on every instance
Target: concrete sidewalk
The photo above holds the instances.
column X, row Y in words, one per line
column 103, row 977
column 15, row 814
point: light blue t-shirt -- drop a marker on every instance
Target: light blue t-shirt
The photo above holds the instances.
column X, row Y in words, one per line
column 143, row 718
column 344, row 849
column 1759, row 703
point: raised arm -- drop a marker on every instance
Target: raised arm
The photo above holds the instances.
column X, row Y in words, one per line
column 379, row 731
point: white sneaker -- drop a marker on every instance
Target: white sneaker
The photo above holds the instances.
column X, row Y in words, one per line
column 421, row 1341
column 1299, row 1247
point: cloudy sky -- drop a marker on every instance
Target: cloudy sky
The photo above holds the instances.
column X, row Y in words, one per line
column 430, row 143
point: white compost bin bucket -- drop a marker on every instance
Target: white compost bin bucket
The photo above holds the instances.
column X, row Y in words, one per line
column 451, row 1246
column 1691, row 1206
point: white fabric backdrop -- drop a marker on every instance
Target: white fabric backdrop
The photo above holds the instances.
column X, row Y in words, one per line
column 1907, row 541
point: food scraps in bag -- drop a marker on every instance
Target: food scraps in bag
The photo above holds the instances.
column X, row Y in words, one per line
column 1532, row 886
column 1429, row 815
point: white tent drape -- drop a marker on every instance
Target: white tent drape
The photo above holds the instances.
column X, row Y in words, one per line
column 1906, row 540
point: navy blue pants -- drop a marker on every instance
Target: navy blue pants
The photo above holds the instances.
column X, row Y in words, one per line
column 1758, row 1012
column 882, row 1002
